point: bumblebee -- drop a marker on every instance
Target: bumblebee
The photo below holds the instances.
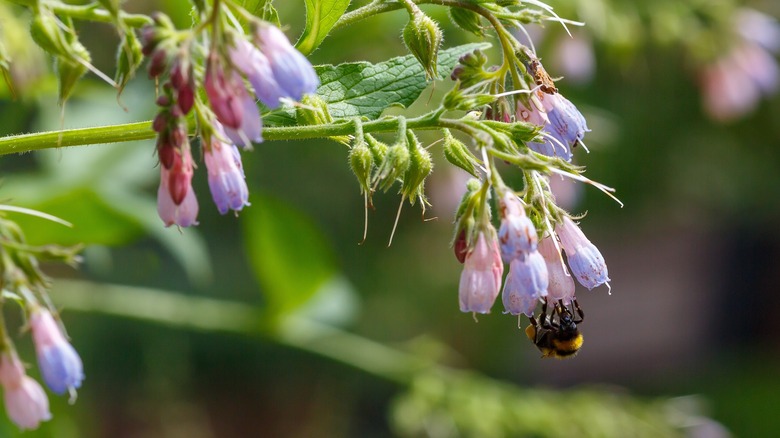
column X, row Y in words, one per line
column 560, row 339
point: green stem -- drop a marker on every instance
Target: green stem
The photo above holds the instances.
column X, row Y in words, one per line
column 210, row 315
column 90, row 12
column 143, row 131
column 374, row 8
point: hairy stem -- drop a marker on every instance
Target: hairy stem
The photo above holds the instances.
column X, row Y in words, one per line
column 90, row 12
column 143, row 131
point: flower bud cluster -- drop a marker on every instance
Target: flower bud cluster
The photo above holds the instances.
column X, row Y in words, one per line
column 275, row 71
column 60, row 366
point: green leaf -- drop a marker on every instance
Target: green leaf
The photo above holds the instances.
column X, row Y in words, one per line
column 291, row 258
column 365, row 89
column 321, row 16
column 260, row 8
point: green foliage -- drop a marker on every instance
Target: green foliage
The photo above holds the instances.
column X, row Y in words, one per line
column 462, row 404
column 290, row 256
column 365, row 89
column 321, row 16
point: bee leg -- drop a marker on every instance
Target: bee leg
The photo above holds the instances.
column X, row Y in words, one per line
column 580, row 313
column 536, row 329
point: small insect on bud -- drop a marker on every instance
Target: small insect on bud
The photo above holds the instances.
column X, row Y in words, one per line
column 526, row 283
column 422, row 37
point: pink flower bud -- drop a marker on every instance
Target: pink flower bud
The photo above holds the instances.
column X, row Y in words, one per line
column 461, row 246
column 561, row 284
column 180, row 176
column 158, row 63
column 225, row 90
column 586, row 262
column 480, row 280
column 25, row 401
column 185, row 213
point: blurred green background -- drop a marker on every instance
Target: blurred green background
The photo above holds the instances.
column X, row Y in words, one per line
column 376, row 345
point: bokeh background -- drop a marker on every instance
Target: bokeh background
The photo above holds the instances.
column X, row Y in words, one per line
column 312, row 335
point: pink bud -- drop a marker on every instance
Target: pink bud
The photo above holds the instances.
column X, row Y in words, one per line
column 180, row 176
column 224, row 92
column 25, row 400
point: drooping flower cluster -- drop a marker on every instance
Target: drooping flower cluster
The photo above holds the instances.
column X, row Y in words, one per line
column 536, row 268
column 60, row 366
column 276, row 72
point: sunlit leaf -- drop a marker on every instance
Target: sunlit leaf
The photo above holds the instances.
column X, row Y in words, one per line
column 365, row 89
column 321, row 15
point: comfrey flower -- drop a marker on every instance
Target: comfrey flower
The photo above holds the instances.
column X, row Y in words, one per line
column 25, row 401
column 586, row 262
column 526, row 283
column 255, row 66
column 60, row 365
column 560, row 120
column 561, row 284
column 480, row 280
column 291, row 70
column 567, row 125
column 176, row 201
column 251, row 128
column 226, row 176
column 517, row 234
